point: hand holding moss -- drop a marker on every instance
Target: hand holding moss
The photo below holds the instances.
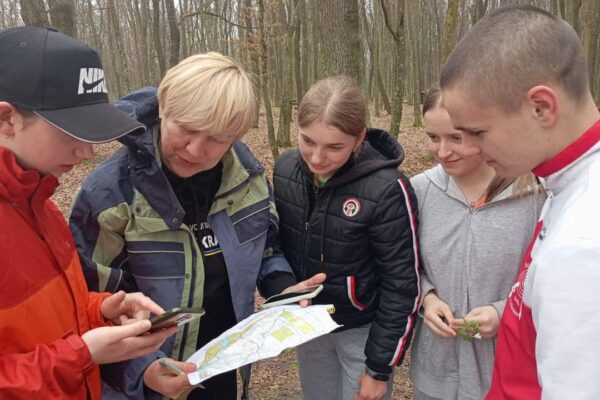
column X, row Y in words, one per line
column 469, row 331
column 481, row 321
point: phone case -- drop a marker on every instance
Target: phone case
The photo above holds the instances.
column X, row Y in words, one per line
column 175, row 317
column 291, row 297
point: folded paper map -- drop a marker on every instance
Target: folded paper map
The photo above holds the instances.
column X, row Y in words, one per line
column 262, row 335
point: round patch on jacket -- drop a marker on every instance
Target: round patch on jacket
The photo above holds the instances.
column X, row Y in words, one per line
column 351, row 207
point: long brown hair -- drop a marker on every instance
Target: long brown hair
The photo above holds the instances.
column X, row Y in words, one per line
column 525, row 184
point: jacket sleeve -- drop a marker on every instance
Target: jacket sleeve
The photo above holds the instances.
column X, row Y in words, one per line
column 275, row 272
column 95, row 316
column 394, row 242
column 564, row 297
column 101, row 245
column 98, row 235
column 499, row 306
column 57, row 367
column 426, row 287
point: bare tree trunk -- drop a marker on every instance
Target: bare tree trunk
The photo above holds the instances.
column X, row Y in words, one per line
column 34, row 13
column 590, row 13
column 297, row 63
column 62, row 15
column 411, row 33
column 316, row 39
column 305, row 60
column 158, row 47
column 285, row 110
column 173, row 32
column 263, row 81
column 397, row 33
column 253, row 50
column 449, row 30
column 379, row 82
column 120, row 64
column 341, row 43
column 368, row 39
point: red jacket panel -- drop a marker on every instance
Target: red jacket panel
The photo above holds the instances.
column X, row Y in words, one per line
column 45, row 306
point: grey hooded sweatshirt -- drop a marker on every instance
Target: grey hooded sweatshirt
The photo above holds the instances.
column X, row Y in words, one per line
column 471, row 259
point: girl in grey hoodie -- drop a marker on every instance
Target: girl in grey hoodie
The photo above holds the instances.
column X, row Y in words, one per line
column 474, row 227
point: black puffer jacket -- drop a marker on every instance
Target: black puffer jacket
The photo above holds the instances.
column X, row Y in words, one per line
column 360, row 229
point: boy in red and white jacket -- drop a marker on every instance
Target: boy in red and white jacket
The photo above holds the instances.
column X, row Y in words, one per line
column 517, row 85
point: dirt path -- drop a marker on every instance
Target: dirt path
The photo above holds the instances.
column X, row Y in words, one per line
column 277, row 378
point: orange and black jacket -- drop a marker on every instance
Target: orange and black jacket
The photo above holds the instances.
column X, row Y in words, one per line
column 45, row 306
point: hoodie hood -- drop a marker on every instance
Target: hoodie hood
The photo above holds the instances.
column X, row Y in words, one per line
column 379, row 150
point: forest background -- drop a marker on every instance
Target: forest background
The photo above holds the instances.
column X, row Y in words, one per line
column 393, row 48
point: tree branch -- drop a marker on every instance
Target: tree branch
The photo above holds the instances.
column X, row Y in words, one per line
column 218, row 16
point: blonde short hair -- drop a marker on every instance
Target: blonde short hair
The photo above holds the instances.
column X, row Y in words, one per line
column 211, row 93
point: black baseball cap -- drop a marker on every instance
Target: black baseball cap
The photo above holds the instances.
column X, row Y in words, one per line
column 61, row 80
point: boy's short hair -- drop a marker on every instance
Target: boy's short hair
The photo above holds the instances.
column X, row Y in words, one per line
column 210, row 93
column 513, row 49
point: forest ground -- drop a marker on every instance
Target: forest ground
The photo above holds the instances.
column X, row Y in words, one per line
column 277, row 378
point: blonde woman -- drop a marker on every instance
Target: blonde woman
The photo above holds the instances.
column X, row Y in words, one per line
column 347, row 211
column 473, row 229
column 183, row 214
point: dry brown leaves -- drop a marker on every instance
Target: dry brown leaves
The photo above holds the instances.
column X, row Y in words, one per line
column 277, row 378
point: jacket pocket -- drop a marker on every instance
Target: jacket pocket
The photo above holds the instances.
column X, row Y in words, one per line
column 251, row 223
column 351, row 292
column 158, row 269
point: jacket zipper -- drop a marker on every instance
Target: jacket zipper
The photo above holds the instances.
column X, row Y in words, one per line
column 317, row 194
column 191, row 296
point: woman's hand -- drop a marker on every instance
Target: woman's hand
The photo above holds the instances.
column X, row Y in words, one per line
column 435, row 313
column 487, row 317
column 168, row 383
column 316, row 279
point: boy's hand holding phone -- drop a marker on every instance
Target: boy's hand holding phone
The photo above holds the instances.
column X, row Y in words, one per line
column 175, row 317
column 109, row 344
column 123, row 308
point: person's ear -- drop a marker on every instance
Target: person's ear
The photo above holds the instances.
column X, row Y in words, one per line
column 361, row 139
column 542, row 101
column 7, row 119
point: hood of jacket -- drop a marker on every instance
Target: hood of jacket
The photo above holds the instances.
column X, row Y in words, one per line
column 379, row 150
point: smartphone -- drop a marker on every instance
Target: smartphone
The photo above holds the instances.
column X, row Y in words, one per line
column 174, row 369
column 175, row 317
column 292, row 297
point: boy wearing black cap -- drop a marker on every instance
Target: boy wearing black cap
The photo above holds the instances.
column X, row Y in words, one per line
column 53, row 332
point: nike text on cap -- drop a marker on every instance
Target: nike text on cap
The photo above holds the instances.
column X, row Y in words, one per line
column 62, row 81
